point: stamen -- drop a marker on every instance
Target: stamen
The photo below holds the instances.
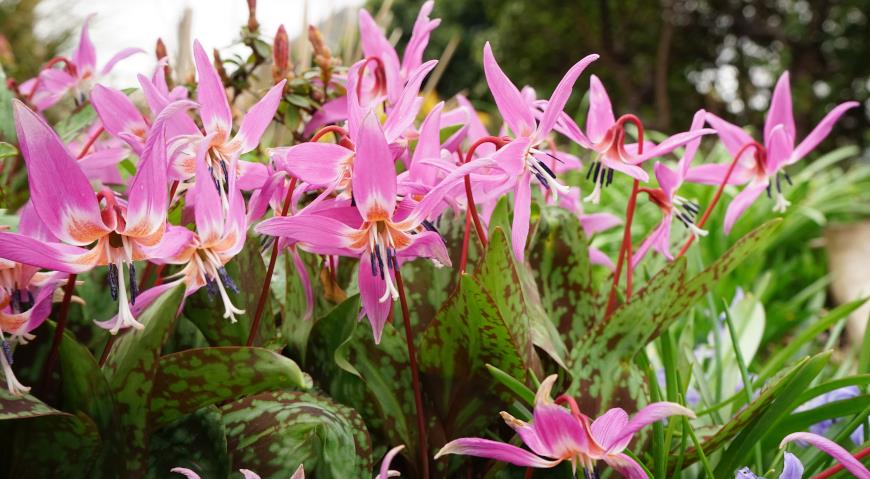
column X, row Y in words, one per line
column 542, row 179
column 595, row 196
column 430, row 227
column 134, row 287
column 227, row 280
column 374, row 265
column 597, row 171
column 609, row 176
column 589, row 171
column 214, row 179
column 16, row 303
column 15, row 388
column 787, row 178
column 113, row 281
column 226, row 177
column 380, row 260
column 211, row 287
column 7, row 349
column 547, row 169
column 778, row 183
column 768, row 191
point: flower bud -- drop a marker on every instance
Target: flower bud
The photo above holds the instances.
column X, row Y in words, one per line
column 281, row 67
column 253, row 25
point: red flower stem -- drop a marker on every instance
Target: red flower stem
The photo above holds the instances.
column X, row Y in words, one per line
column 625, row 250
column 339, row 131
column 415, row 377
column 91, row 140
column 715, row 200
column 158, row 280
column 839, row 467
column 58, row 333
column 107, row 348
column 267, row 280
column 463, row 259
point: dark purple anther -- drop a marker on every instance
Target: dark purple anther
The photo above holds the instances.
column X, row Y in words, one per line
column 228, row 281
column 134, row 286
column 113, row 281
column 7, row 351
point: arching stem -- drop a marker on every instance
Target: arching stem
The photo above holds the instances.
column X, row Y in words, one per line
column 63, row 314
column 267, row 280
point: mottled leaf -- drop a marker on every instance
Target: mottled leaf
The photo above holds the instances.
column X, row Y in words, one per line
column 197, row 441
column 55, row 446
column 130, row 370
column 188, row 380
column 272, row 433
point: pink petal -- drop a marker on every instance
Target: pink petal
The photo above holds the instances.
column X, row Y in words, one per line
column 185, row 472
column 252, row 175
column 401, row 116
column 832, row 449
column 559, row 431
column 258, row 119
column 388, row 459
column 208, row 209
column 148, row 194
column 102, row 165
column 596, row 256
column 513, row 108
column 127, row 52
column 29, row 224
column 374, row 174
column 319, row 234
column 669, row 180
column 600, row 117
column 375, row 44
column 51, row 256
column 59, row 190
column 248, row 474
column 780, row 112
column 732, row 136
column 371, row 289
column 651, row 241
column 651, row 413
column 821, row 130
column 499, row 451
column 626, row 466
column 671, row 143
column 427, row 244
column 299, row 474
column 511, row 158
column 212, row 98
column 522, row 211
column 598, row 222
column 607, row 429
column 117, row 113
column 779, row 149
column 332, row 111
column 692, row 146
column 302, row 272
column 174, row 247
column 713, row 174
column 742, row 201
column 429, row 143
column 177, row 124
column 633, row 171
column 423, row 26
column 561, row 94
column 85, row 56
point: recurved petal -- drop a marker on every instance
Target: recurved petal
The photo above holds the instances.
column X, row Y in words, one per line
column 148, row 195
column 672, row 143
column 51, row 256
column 513, row 108
column 522, row 211
column 391, row 454
column 472, row 446
column 607, row 429
column 212, row 98
column 248, row 474
column 732, row 136
column 117, row 113
column 779, row 149
column 258, row 118
column 59, row 190
column 401, row 116
column 85, row 56
column 319, row 234
column 317, row 164
column 600, row 117
column 208, row 209
column 780, row 112
column 626, row 466
column 189, row 474
column 423, row 26
column 371, row 290
column 427, row 244
column 127, row 52
column 651, row 413
column 742, row 201
column 561, row 94
column 692, row 146
column 832, row 449
column 821, row 131
column 374, row 174
column 669, row 180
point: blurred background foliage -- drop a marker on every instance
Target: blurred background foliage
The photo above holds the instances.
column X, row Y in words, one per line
column 22, row 50
column 664, row 59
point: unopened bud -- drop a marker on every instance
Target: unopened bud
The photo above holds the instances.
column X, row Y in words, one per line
column 161, row 54
column 281, row 67
column 253, row 24
column 322, row 54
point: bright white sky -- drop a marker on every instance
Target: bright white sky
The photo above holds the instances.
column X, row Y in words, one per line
column 138, row 23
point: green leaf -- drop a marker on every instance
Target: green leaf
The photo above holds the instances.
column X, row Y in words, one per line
column 23, row 407
column 518, row 388
column 247, row 270
column 781, row 405
column 130, row 370
column 7, row 150
column 62, row 445
column 272, row 433
column 7, row 118
column 801, row 421
column 190, row 379
column 197, row 441
column 72, row 125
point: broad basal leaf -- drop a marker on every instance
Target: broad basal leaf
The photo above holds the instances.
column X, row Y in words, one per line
column 197, row 441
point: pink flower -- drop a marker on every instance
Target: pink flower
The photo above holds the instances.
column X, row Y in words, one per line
column 115, row 230
column 832, row 449
column 556, row 434
column 378, row 231
column 767, row 164
column 672, row 205
column 78, row 75
column 520, row 159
